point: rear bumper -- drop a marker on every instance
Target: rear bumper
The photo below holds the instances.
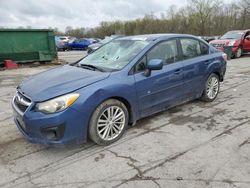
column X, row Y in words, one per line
column 223, row 72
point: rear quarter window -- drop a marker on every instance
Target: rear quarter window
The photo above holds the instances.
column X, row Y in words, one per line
column 204, row 48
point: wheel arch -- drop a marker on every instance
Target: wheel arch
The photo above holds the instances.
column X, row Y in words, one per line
column 128, row 106
column 218, row 74
column 215, row 68
column 240, row 46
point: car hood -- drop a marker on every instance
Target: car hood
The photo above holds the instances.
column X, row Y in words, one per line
column 59, row 81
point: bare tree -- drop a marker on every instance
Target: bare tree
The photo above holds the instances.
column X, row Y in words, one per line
column 199, row 17
column 201, row 11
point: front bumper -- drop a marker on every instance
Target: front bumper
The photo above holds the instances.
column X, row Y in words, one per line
column 66, row 127
column 234, row 49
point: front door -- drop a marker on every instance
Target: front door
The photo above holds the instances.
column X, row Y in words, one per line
column 163, row 88
column 246, row 43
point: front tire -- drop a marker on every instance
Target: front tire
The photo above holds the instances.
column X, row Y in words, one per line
column 108, row 122
column 238, row 54
column 212, row 88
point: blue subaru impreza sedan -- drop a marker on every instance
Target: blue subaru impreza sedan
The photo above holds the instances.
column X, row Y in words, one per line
column 123, row 81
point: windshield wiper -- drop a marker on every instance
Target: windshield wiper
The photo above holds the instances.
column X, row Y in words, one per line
column 90, row 67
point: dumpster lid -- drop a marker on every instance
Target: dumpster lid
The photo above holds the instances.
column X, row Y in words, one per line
column 31, row 30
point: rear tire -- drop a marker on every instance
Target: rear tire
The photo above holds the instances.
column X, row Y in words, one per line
column 212, row 88
column 108, row 122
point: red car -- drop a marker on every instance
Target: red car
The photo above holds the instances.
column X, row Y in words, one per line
column 239, row 40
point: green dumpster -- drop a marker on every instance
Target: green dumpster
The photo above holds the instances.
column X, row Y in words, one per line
column 27, row 45
column 228, row 51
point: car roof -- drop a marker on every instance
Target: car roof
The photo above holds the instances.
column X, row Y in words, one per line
column 152, row 37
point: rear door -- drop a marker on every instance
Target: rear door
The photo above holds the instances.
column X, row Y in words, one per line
column 196, row 59
column 163, row 88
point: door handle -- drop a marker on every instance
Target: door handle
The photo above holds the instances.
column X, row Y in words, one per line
column 178, row 71
column 207, row 62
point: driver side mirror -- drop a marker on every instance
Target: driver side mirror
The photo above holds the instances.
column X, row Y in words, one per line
column 153, row 64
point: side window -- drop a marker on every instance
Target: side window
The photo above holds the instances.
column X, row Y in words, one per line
column 190, row 48
column 204, row 48
column 167, row 51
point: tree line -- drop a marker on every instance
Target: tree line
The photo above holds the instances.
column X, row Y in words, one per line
column 199, row 17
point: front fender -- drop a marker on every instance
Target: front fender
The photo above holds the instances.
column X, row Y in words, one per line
column 93, row 95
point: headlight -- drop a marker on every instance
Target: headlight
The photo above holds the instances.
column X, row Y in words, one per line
column 57, row 104
column 231, row 43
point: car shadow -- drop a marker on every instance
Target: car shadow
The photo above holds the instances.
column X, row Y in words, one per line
column 245, row 55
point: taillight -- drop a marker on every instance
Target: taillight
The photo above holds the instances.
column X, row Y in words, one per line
column 224, row 57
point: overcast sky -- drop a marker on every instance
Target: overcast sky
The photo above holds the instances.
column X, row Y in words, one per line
column 76, row 13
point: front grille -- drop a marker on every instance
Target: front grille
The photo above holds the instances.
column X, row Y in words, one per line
column 21, row 102
column 20, row 106
column 218, row 45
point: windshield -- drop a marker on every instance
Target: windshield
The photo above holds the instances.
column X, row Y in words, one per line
column 114, row 55
column 233, row 35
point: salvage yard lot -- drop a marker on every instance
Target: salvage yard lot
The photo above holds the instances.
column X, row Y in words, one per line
column 193, row 145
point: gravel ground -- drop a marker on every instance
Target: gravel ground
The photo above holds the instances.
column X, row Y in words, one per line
column 71, row 56
column 193, row 145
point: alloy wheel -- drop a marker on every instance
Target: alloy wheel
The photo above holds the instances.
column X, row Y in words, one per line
column 212, row 87
column 111, row 123
column 239, row 53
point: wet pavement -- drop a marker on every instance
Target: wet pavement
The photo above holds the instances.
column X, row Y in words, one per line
column 193, row 145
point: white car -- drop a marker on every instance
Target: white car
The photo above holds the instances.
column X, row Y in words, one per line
column 66, row 38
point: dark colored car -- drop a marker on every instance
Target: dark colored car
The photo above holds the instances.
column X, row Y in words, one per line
column 207, row 38
column 123, row 81
column 80, row 44
column 97, row 45
column 239, row 41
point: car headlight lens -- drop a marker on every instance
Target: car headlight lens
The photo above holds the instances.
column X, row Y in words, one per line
column 231, row 43
column 57, row 104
